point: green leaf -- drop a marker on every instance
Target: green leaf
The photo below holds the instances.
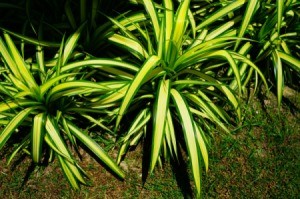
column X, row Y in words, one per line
column 149, row 5
column 25, row 141
column 280, row 8
column 202, row 145
column 149, row 64
column 69, row 14
column 169, row 21
column 54, row 133
column 99, row 63
column 278, row 75
column 38, row 132
column 159, row 120
column 220, row 13
column 13, row 125
column 48, row 84
column 71, row 44
column 10, row 105
column 189, row 135
column 180, row 23
column 130, row 45
column 170, row 135
column 31, row 40
column 96, row 149
column 292, row 61
column 68, row 173
column 20, row 63
column 246, row 19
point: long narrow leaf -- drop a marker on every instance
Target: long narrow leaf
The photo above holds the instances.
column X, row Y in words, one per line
column 149, row 64
column 13, row 125
column 96, row 149
column 24, row 72
column 246, row 19
column 159, row 120
column 189, row 135
column 37, row 137
column 279, row 75
column 149, row 5
column 220, row 13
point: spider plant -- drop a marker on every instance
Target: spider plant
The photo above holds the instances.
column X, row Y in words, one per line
column 179, row 90
column 42, row 101
column 278, row 36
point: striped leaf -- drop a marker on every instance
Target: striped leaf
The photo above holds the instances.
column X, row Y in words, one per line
column 71, row 44
column 189, row 135
column 131, row 45
column 168, row 18
column 150, row 8
column 170, row 135
column 180, row 22
column 20, row 63
column 33, row 41
column 250, row 11
column 149, row 64
column 136, row 127
column 290, row 60
column 201, row 145
column 47, row 85
column 38, row 131
column 68, row 173
column 96, row 149
column 99, row 63
column 279, row 75
column 159, row 120
column 54, row 133
column 6, row 57
column 10, row 105
column 25, row 141
column 220, row 13
column 73, row 86
column 13, row 125
column 280, row 8
column 226, row 55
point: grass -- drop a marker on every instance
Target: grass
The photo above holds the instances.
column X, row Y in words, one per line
column 260, row 160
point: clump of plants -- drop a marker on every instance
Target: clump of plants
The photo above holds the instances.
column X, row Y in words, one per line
column 164, row 73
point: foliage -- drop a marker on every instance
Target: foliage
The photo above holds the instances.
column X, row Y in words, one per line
column 170, row 73
column 42, row 98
